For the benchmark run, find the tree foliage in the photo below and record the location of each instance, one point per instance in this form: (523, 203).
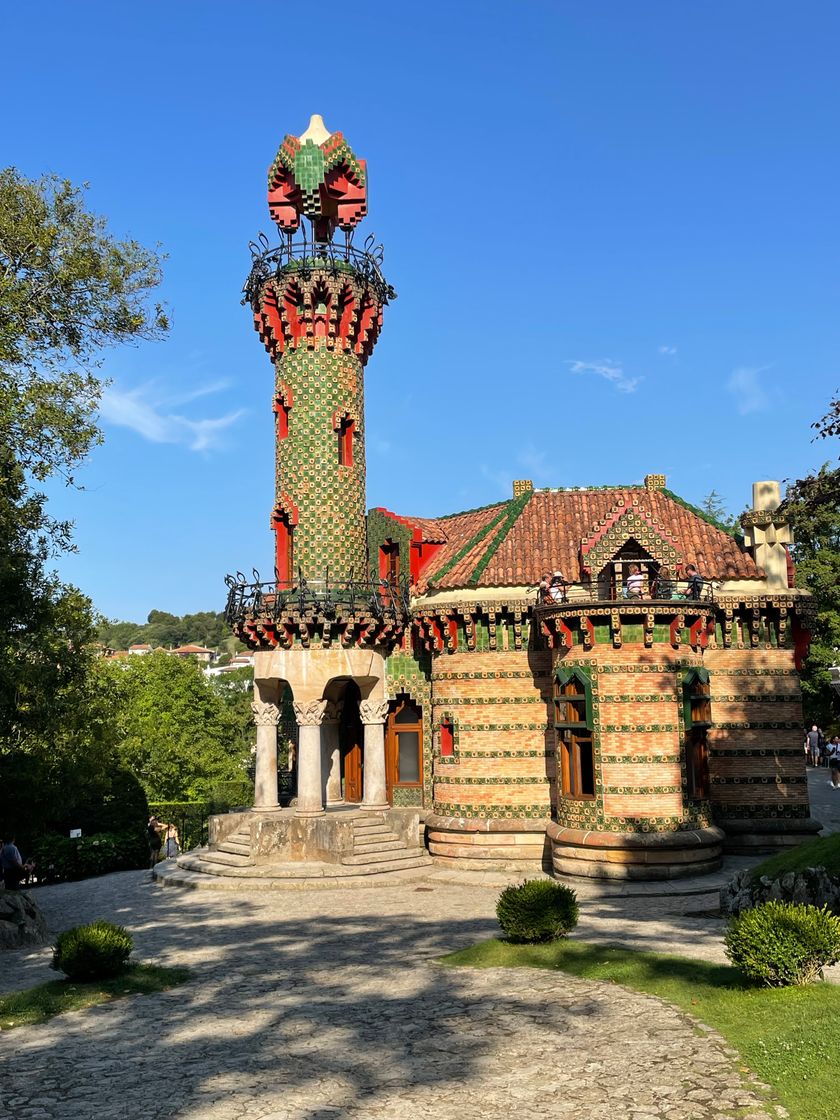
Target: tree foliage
(68, 289)
(715, 509)
(813, 504)
(207, 628)
(178, 731)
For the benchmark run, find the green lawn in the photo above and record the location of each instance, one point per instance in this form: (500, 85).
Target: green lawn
(788, 1036)
(37, 1004)
(822, 852)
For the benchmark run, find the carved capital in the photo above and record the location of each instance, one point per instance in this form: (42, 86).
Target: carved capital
(266, 714)
(373, 711)
(333, 712)
(311, 714)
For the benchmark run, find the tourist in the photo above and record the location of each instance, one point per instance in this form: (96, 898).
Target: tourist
(153, 834)
(634, 584)
(557, 588)
(694, 588)
(663, 587)
(13, 867)
(172, 848)
(834, 761)
(812, 744)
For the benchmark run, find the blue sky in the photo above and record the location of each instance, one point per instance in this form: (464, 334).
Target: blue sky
(613, 228)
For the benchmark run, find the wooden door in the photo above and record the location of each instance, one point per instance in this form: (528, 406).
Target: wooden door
(351, 737)
(403, 745)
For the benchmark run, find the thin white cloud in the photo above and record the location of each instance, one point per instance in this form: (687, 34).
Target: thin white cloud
(611, 371)
(745, 386)
(667, 350)
(150, 413)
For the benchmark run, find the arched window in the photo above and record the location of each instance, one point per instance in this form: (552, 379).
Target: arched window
(282, 410)
(697, 709)
(573, 725)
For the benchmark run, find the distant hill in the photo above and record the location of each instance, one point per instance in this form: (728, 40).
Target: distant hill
(206, 628)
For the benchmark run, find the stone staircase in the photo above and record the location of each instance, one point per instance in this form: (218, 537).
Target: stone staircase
(376, 849)
(378, 856)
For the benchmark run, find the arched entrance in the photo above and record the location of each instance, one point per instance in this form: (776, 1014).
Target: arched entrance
(351, 737)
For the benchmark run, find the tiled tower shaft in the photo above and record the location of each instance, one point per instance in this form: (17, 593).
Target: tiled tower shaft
(325, 496)
(319, 325)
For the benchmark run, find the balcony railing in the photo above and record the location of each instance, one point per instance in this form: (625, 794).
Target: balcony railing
(326, 598)
(662, 592)
(304, 255)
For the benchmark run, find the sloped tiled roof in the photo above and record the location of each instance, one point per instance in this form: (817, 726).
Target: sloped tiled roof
(516, 542)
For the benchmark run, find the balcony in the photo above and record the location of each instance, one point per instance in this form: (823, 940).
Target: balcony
(355, 611)
(302, 257)
(673, 594)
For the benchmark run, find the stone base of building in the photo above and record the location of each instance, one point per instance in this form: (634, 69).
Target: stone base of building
(344, 834)
(759, 837)
(492, 843)
(634, 855)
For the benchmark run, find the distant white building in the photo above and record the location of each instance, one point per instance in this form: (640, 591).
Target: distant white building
(140, 649)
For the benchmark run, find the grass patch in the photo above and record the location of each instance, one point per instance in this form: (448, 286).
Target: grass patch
(785, 1035)
(822, 852)
(35, 1005)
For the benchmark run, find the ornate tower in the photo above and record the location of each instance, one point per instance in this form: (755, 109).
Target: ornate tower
(317, 306)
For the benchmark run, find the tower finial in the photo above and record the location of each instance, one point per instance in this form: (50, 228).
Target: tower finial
(317, 131)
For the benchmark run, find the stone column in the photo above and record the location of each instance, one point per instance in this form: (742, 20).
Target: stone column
(266, 717)
(373, 714)
(310, 802)
(331, 753)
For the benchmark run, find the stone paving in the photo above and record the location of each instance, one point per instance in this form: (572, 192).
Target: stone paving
(316, 1004)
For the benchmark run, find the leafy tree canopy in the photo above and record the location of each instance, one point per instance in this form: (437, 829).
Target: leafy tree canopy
(178, 731)
(813, 504)
(206, 628)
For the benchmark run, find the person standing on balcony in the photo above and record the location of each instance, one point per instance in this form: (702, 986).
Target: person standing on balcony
(663, 588)
(694, 590)
(635, 583)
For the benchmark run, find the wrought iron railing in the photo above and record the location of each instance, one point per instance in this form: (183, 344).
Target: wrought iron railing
(304, 255)
(659, 591)
(326, 597)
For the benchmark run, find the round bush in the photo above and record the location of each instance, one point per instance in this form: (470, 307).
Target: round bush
(537, 910)
(783, 943)
(93, 952)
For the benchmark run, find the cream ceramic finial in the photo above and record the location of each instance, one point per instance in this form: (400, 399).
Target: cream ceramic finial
(317, 131)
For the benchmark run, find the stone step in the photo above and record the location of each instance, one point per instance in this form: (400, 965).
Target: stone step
(196, 877)
(300, 872)
(392, 845)
(235, 849)
(382, 857)
(228, 859)
(236, 842)
(377, 830)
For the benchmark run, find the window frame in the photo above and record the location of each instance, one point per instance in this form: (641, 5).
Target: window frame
(572, 695)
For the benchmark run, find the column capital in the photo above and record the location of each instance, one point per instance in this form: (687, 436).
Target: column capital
(373, 711)
(333, 711)
(266, 714)
(311, 714)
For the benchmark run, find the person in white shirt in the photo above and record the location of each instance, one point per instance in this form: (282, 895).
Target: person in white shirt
(634, 584)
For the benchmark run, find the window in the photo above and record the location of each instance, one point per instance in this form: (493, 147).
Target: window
(282, 411)
(447, 738)
(573, 724)
(404, 744)
(285, 559)
(697, 707)
(389, 562)
(345, 442)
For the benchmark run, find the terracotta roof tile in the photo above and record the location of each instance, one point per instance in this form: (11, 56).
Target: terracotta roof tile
(515, 543)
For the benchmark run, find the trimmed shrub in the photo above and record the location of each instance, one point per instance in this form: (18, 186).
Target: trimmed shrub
(537, 910)
(93, 952)
(783, 943)
(58, 858)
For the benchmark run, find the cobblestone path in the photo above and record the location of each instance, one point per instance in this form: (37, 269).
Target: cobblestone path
(316, 1005)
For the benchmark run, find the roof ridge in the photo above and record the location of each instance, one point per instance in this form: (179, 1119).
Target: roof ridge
(446, 568)
(514, 511)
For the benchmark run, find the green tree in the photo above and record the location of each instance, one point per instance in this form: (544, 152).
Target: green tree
(68, 289)
(813, 504)
(176, 730)
(713, 506)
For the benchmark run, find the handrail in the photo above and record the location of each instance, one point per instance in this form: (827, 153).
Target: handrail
(325, 596)
(304, 255)
(669, 591)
